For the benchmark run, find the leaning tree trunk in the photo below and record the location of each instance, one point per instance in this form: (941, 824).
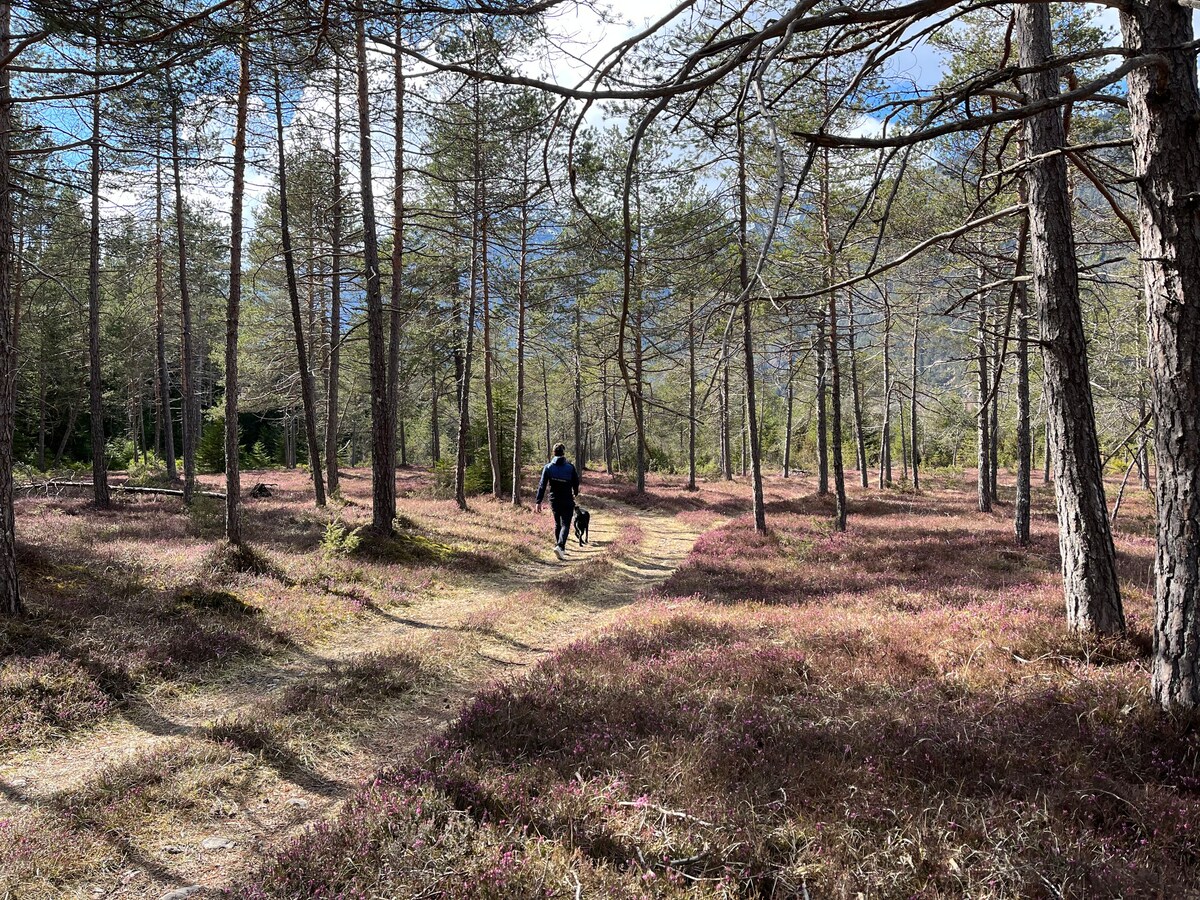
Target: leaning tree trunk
(335, 292)
(383, 462)
(395, 324)
(756, 478)
(233, 529)
(638, 398)
(1164, 106)
(1093, 596)
(10, 591)
(308, 393)
(95, 388)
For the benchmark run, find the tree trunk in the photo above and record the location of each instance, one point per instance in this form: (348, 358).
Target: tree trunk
(982, 418)
(335, 292)
(489, 399)
(742, 436)
(233, 530)
(72, 417)
(95, 387)
(1024, 500)
(638, 398)
(839, 474)
(756, 477)
(860, 444)
(821, 353)
(1045, 444)
(397, 294)
(726, 449)
(912, 405)
(468, 342)
(435, 385)
(1164, 106)
(1143, 454)
(885, 436)
(787, 428)
(308, 393)
(402, 437)
(189, 412)
(289, 444)
(383, 462)
(160, 329)
(633, 383)
(577, 408)
(691, 484)
(1085, 541)
(42, 410)
(10, 590)
(522, 308)
(546, 402)
(994, 413)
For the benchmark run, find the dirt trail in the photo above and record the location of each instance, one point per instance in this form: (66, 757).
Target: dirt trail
(478, 631)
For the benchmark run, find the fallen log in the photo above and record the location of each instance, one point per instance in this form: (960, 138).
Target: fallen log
(47, 486)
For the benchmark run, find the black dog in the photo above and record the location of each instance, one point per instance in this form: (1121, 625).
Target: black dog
(582, 519)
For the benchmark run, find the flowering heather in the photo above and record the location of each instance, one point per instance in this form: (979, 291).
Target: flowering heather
(44, 695)
(897, 711)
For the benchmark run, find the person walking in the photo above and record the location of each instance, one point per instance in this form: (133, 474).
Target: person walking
(562, 480)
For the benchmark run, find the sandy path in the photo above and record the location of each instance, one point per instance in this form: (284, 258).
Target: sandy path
(475, 632)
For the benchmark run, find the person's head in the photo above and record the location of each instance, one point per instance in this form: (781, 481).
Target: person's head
(560, 449)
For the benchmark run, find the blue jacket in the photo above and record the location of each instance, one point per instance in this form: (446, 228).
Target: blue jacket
(563, 481)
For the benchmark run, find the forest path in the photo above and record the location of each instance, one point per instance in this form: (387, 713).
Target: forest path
(223, 808)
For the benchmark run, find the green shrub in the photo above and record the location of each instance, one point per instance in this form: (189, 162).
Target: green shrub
(339, 540)
(119, 451)
(210, 449)
(146, 470)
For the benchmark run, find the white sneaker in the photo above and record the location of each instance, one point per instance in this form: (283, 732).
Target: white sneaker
(559, 552)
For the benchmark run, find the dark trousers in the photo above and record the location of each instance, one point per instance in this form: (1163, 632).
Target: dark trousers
(562, 523)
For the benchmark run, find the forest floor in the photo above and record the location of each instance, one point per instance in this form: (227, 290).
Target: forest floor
(134, 770)
(684, 708)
